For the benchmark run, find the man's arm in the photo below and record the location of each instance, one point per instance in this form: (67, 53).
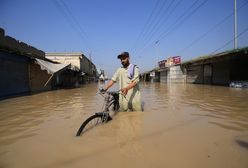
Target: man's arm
(133, 83)
(112, 81)
(130, 86)
(108, 85)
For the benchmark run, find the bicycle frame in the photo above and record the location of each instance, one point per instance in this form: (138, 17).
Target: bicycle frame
(110, 99)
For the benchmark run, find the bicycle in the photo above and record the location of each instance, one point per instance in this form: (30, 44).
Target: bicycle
(111, 99)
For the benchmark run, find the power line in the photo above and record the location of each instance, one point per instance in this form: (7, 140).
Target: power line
(146, 24)
(154, 19)
(74, 19)
(64, 10)
(183, 18)
(212, 28)
(151, 31)
(229, 42)
(180, 20)
(165, 19)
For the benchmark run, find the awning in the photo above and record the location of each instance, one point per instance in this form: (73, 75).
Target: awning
(51, 68)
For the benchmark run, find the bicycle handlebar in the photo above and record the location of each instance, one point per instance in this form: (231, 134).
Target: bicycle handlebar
(111, 93)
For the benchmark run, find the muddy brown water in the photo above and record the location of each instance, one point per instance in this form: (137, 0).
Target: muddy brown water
(182, 126)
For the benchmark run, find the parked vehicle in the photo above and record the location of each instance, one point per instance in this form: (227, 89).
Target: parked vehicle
(239, 84)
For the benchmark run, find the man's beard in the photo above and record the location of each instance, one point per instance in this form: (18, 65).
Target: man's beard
(125, 64)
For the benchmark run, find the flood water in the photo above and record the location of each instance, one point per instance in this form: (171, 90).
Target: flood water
(182, 126)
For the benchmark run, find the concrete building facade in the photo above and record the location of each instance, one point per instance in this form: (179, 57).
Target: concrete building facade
(219, 69)
(78, 60)
(25, 70)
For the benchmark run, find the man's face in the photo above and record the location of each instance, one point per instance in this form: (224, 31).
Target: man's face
(124, 61)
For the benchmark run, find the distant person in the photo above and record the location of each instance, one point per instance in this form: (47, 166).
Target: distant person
(128, 78)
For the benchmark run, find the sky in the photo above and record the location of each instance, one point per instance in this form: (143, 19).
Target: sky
(150, 30)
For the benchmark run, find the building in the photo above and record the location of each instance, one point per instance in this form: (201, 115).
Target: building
(79, 61)
(170, 70)
(25, 70)
(218, 69)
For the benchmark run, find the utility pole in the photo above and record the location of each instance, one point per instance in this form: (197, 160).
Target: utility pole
(90, 56)
(235, 25)
(157, 44)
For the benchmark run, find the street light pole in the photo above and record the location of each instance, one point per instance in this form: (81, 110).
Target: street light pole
(157, 44)
(235, 25)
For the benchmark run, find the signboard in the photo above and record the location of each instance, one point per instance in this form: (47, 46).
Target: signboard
(174, 60)
(152, 74)
(162, 64)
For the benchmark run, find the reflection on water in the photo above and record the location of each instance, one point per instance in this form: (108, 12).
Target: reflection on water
(229, 105)
(182, 125)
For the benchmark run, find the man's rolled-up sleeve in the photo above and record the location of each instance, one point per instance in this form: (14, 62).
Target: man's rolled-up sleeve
(136, 75)
(115, 77)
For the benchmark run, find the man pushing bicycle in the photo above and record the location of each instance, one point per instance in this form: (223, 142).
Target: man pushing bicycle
(128, 78)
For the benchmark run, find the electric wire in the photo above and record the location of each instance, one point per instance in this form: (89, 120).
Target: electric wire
(183, 18)
(146, 24)
(179, 21)
(165, 19)
(154, 26)
(64, 10)
(212, 28)
(153, 19)
(227, 43)
(74, 19)
(156, 20)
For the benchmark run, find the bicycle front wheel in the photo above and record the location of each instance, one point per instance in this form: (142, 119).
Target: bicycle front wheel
(91, 122)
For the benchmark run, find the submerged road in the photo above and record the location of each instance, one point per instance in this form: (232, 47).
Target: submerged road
(182, 126)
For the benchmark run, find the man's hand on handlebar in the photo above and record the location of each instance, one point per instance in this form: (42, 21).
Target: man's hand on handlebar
(102, 90)
(124, 91)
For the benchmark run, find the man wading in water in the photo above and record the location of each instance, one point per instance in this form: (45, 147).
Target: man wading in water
(128, 79)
